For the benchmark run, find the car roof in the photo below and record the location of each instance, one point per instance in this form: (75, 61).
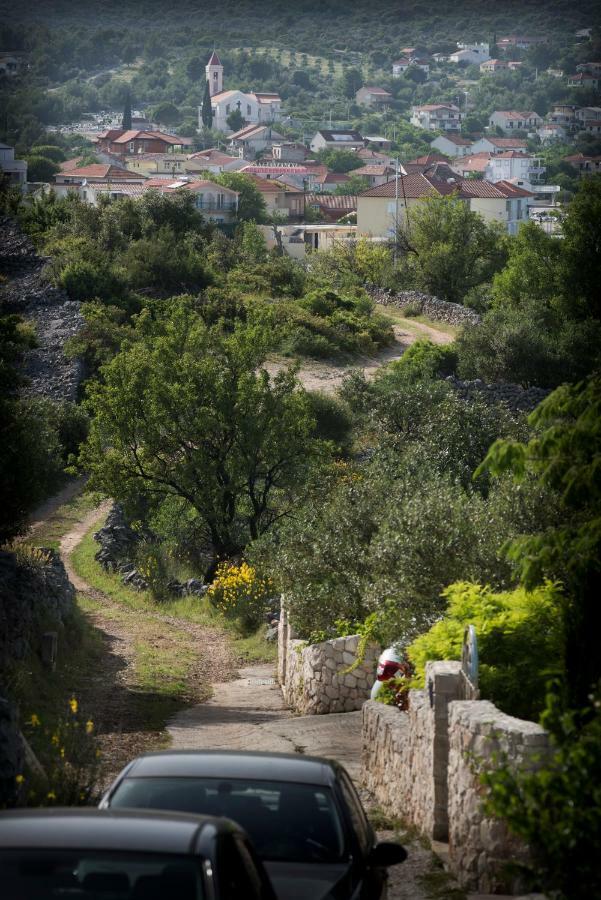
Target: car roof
(233, 764)
(114, 830)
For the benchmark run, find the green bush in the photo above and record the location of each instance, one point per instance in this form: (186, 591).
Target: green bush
(422, 360)
(332, 418)
(557, 809)
(519, 642)
(85, 280)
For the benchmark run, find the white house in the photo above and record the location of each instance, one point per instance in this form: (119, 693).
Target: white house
(515, 120)
(508, 165)
(254, 107)
(552, 131)
(400, 66)
(336, 140)
(499, 145)
(452, 145)
(470, 53)
(14, 170)
(437, 117)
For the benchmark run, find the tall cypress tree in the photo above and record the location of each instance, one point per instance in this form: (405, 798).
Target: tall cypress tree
(126, 121)
(207, 109)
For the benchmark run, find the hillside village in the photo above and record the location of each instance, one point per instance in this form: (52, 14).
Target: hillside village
(300, 355)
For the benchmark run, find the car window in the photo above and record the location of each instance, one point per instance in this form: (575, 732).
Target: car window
(357, 814)
(87, 875)
(285, 820)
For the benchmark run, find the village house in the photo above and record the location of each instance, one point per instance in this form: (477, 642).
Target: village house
(499, 144)
(377, 142)
(436, 117)
(281, 200)
(584, 165)
(381, 210)
(591, 126)
(289, 151)
(326, 181)
(373, 97)
(592, 68)
(552, 131)
(400, 66)
(298, 176)
(452, 145)
(332, 208)
(214, 161)
(563, 114)
(490, 66)
(67, 181)
(423, 163)
(473, 165)
(367, 155)
(336, 140)
(13, 171)
(375, 174)
(470, 53)
(519, 42)
(584, 80)
(508, 165)
(150, 164)
(255, 108)
(515, 120)
(584, 113)
(299, 240)
(253, 140)
(126, 143)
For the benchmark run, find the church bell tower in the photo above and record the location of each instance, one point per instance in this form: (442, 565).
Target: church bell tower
(214, 71)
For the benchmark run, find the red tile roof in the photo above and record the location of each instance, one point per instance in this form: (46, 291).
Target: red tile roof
(214, 60)
(512, 190)
(342, 202)
(100, 170)
(127, 136)
(411, 186)
(507, 142)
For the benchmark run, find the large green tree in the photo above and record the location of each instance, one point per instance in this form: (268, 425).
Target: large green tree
(450, 248)
(206, 112)
(565, 455)
(185, 411)
(251, 205)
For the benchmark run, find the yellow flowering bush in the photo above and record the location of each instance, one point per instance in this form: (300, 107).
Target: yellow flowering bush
(241, 594)
(67, 752)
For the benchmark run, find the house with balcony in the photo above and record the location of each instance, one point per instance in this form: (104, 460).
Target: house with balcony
(71, 180)
(437, 117)
(490, 144)
(120, 142)
(215, 202)
(515, 120)
(519, 42)
(508, 165)
(584, 80)
(251, 140)
(472, 54)
(584, 165)
(490, 66)
(552, 131)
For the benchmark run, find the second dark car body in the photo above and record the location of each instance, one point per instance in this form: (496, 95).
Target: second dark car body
(302, 813)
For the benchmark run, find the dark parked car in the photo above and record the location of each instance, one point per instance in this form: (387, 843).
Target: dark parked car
(302, 814)
(89, 854)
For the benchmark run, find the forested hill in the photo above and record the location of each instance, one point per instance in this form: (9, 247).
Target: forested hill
(318, 25)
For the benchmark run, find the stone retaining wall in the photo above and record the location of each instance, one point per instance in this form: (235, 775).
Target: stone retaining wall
(427, 305)
(315, 677)
(423, 765)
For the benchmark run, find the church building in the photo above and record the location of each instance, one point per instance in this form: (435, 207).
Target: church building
(254, 108)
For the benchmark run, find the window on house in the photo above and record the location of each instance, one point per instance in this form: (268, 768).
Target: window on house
(227, 109)
(248, 110)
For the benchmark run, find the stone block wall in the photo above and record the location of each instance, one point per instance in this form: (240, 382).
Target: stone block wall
(480, 847)
(423, 765)
(315, 678)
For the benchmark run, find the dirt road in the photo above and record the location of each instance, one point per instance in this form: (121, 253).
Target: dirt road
(327, 376)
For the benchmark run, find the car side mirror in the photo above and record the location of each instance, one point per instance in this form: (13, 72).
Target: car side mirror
(387, 854)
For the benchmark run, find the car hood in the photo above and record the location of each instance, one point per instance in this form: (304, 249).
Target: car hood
(308, 881)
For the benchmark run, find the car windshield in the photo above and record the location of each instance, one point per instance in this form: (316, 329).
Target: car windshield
(89, 875)
(286, 821)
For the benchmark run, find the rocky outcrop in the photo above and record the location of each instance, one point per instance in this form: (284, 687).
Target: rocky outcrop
(426, 305)
(118, 547)
(28, 292)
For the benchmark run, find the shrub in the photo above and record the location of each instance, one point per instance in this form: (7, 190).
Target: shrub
(332, 418)
(519, 642)
(68, 753)
(557, 809)
(422, 360)
(85, 280)
(241, 595)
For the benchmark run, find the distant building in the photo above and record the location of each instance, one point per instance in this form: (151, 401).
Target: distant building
(255, 108)
(13, 171)
(515, 120)
(452, 145)
(289, 151)
(584, 165)
(281, 199)
(252, 140)
(510, 164)
(338, 139)
(126, 143)
(584, 79)
(332, 207)
(373, 97)
(474, 54)
(519, 41)
(72, 180)
(375, 174)
(550, 132)
(491, 144)
(437, 117)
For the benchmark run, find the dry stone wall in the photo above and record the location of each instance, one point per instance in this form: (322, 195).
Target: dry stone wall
(424, 764)
(426, 305)
(315, 678)
(481, 847)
